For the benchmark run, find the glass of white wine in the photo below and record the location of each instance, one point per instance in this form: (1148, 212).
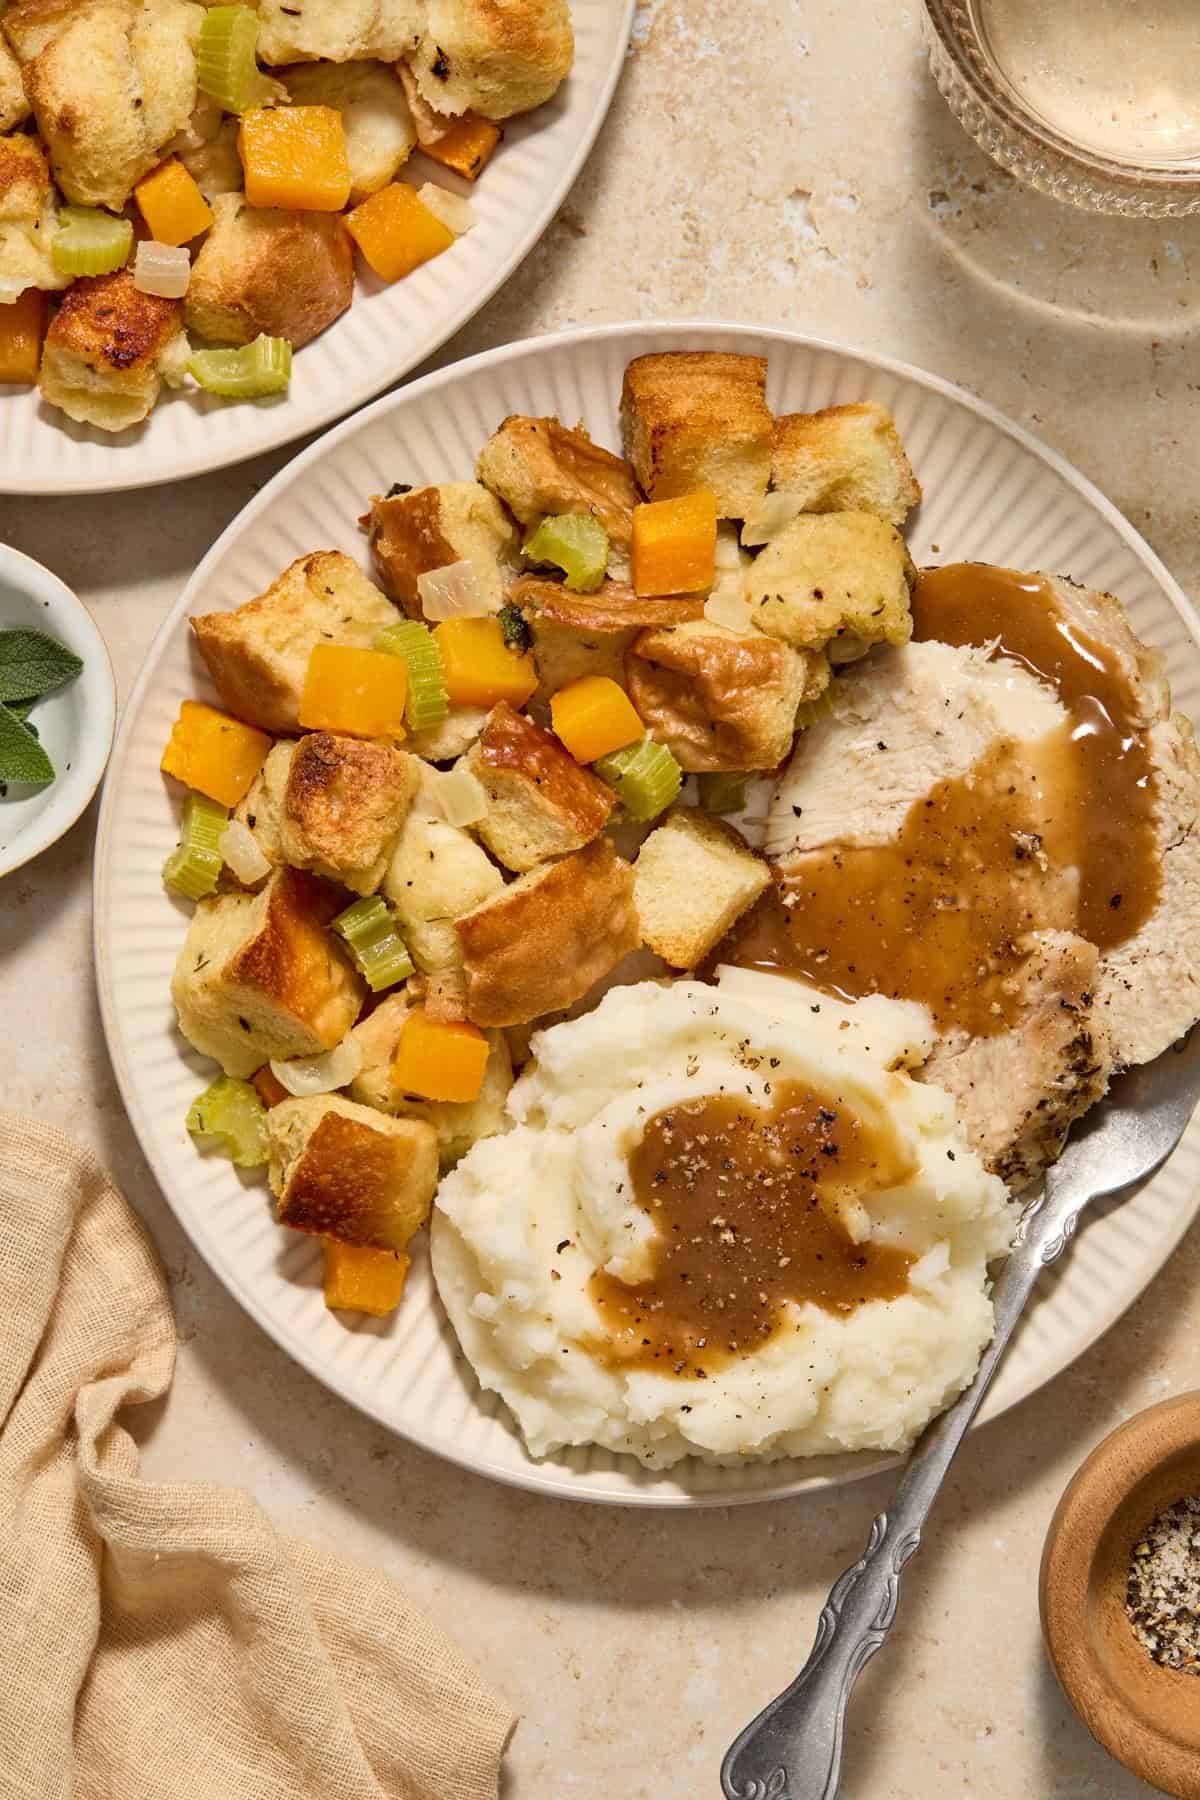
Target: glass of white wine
(1094, 101)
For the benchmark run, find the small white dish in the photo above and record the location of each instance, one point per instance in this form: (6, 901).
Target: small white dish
(75, 722)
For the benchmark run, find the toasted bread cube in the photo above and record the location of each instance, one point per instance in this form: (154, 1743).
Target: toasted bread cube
(540, 802)
(109, 349)
(343, 808)
(698, 419)
(288, 274)
(337, 31)
(260, 975)
(458, 1123)
(436, 873)
(427, 528)
(341, 1170)
(539, 467)
(14, 106)
(693, 878)
(110, 90)
(28, 220)
(361, 1279)
(210, 156)
(380, 134)
(494, 57)
(258, 654)
(834, 581)
(845, 459)
(549, 937)
(450, 739)
(576, 635)
(261, 811)
(719, 699)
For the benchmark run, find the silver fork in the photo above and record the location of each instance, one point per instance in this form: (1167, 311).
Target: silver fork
(793, 1749)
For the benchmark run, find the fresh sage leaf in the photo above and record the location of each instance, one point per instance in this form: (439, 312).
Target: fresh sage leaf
(21, 709)
(32, 664)
(21, 756)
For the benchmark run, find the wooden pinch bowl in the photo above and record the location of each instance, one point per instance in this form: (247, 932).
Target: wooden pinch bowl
(1145, 1715)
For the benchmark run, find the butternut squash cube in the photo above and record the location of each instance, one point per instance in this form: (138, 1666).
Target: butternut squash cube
(439, 1059)
(467, 147)
(172, 205)
(480, 669)
(396, 231)
(359, 1278)
(675, 545)
(22, 323)
(214, 754)
(268, 1086)
(295, 157)
(593, 716)
(360, 692)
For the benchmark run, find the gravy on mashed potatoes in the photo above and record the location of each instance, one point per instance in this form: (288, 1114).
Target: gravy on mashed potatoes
(726, 1222)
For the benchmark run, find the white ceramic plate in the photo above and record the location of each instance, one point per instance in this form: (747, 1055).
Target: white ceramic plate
(992, 493)
(386, 332)
(75, 723)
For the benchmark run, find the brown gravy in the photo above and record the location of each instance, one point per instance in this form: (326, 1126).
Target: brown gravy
(745, 1199)
(1064, 839)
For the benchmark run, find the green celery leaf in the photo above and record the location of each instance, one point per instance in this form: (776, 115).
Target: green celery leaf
(31, 664)
(21, 756)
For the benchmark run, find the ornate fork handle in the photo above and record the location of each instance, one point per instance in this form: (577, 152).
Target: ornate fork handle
(793, 1749)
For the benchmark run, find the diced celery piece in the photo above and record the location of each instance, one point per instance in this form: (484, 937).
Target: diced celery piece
(426, 703)
(645, 775)
(378, 950)
(226, 60)
(724, 791)
(193, 868)
(576, 543)
(228, 1117)
(90, 241)
(257, 369)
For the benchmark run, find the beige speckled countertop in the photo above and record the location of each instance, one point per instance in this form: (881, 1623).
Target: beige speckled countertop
(786, 162)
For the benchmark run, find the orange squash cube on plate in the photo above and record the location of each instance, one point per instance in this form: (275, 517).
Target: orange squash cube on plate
(360, 692)
(675, 545)
(359, 1278)
(172, 205)
(439, 1059)
(268, 1086)
(22, 323)
(295, 157)
(467, 147)
(216, 755)
(480, 669)
(396, 231)
(593, 716)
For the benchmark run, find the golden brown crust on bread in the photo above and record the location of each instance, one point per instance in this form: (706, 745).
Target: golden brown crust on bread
(719, 701)
(104, 353)
(694, 877)
(411, 534)
(845, 459)
(24, 178)
(544, 941)
(289, 274)
(290, 958)
(540, 466)
(343, 805)
(494, 57)
(614, 607)
(540, 802)
(698, 419)
(341, 1170)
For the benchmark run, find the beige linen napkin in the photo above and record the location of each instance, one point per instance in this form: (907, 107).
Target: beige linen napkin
(163, 1641)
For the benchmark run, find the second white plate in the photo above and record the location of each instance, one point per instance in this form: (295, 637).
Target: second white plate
(992, 493)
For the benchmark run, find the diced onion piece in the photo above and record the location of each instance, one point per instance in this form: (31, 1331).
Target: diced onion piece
(727, 606)
(90, 241)
(645, 777)
(766, 518)
(724, 791)
(192, 869)
(305, 1076)
(461, 797)
(242, 853)
(228, 1117)
(425, 704)
(379, 952)
(577, 544)
(226, 60)
(456, 214)
(727, 556)
(453, 592)
(263, 367)
(162, 269)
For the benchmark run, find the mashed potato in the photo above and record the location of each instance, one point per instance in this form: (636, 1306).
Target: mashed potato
(527, 1218)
